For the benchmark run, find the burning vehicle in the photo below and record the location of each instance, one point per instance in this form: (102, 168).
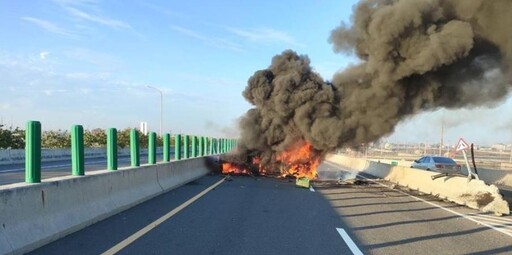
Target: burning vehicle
(414, 56)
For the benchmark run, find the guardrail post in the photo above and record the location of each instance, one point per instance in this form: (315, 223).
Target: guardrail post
(111, 149)
(33, 152)
(152, 148)
(77, 150)
(167, 147)
(177, 147)
(194, 146)
(205, 146)
(201, 146)
(134, 148)
(185, 147)
(208, 146)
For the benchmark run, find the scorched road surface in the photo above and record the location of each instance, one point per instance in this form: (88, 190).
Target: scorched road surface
(272, 216)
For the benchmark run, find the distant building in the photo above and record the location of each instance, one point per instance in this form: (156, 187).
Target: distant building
(499, 147)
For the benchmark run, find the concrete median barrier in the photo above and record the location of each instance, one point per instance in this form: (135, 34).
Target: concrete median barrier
(32, 215)
(474, 194)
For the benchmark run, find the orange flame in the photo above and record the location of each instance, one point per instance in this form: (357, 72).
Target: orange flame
(230, 168)
(299, 161)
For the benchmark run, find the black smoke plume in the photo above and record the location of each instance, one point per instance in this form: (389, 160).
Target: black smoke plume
(415, 56)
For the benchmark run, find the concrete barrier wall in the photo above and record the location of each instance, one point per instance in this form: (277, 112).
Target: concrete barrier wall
(490, 176)
(32, 215)
(474, 194)
(16, 156)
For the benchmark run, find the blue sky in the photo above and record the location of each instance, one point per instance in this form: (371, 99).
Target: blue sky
(88, 62)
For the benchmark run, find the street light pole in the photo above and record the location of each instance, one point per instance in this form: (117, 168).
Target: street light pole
(161, 105)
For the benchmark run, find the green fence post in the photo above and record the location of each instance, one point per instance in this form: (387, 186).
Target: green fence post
(167, 147)
(111, 149)
(77, 150)
(33, 152)
(208, 146)
(134, 148)
(200, 146)
(177, 147)
(185, 146)
(152, 148)
(194, 146)
(204, 146)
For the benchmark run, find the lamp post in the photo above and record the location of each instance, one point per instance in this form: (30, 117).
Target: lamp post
(161, 106)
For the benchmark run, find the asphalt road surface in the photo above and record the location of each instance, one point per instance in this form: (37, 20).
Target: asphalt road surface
(14, 173)
(248, 215)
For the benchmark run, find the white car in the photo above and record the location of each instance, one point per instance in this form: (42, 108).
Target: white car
(437, 164)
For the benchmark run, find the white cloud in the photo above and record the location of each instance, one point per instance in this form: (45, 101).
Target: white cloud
(48, 26)
(214, 41)
(88, 76)
(5, 106)
(265, 35)
(99, 59)
(43, 55)
(113, 23)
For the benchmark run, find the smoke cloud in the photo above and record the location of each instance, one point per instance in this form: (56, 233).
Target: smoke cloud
(416, 55)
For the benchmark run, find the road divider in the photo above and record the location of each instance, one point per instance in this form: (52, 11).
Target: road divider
(32, 215)
(474, 194)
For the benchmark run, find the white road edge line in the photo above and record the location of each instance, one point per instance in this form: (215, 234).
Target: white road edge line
(311, 188)
(118, 247)
(436, 205)
(351, 245)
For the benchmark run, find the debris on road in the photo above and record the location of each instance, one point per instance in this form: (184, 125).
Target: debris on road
(302, 182)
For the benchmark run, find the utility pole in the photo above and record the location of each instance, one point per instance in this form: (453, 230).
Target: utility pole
(510, 160)
(161, 105)
(441, 144)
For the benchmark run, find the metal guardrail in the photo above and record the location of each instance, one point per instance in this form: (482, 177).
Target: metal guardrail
(190, 146)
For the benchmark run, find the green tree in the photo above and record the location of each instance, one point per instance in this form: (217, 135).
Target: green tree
(56, 139)
(9, 138)
(95, 138)
(123, 138)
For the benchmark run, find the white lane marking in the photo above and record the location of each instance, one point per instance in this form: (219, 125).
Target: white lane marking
(118, 247)
(311, 188)
(351, 245)
(490, 217)
(468, 217)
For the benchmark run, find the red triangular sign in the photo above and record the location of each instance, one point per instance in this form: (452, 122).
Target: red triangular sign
(462, 145)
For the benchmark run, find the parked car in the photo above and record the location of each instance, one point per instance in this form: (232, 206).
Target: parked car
(437, 164)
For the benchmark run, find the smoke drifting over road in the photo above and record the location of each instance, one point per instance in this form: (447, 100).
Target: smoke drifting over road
(416, 55)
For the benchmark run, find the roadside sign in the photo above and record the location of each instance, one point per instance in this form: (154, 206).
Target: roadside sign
(462, 145)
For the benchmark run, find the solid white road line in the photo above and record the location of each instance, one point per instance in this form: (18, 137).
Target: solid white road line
(468, 217)
(118, 247)
(490, 217)
(351, 245)
(311, 188)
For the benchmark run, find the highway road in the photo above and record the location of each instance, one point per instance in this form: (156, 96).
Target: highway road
(14, 173)
(248, 215)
